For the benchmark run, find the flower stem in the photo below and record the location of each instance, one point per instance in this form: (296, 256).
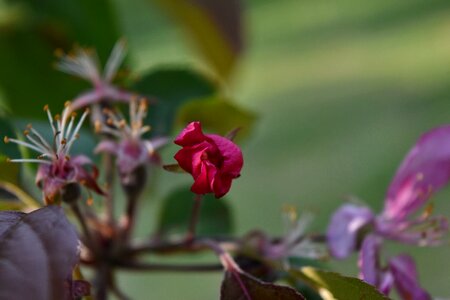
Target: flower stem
(194, 218)
(141, 266)
(90, 242)
(108, 163)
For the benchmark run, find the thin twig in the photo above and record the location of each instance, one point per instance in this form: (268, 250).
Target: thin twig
(91, 244)
(108, 163)
(194, 218)
(140, 266)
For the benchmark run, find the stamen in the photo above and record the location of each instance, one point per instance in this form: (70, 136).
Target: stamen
(145, 129)
(50, 119)
(80, 123)
(25, 144)
(43, 141)
(69, 128)
(36, 143)
(30, 160)
(98, 126)
(6, 140)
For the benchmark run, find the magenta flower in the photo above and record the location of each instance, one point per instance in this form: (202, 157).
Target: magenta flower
(130, 148)
(57, 169)
(212, 160)
(425, 170)
(84, 64)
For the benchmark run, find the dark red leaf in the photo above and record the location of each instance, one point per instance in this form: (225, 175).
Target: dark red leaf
(37, 253)
(255, 289)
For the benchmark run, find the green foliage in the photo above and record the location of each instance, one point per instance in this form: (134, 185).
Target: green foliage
(333, 286)
(171, 88)
(215, 26)
(217, 115)
(27, 50)
(215, 214)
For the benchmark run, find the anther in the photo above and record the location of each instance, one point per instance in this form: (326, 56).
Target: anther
(97, 126)
(6, 140)
(46, 107)
(26, 132)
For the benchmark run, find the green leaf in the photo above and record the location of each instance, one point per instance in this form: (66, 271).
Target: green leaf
(215, 214)
(217, 115)
(28, 81)
(214, 25)
(333, 286)
(8, 172)
(232, 289)
(171, 87)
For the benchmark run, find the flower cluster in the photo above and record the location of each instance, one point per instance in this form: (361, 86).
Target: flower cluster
(130, 149)
(424, 171)
(57, 169)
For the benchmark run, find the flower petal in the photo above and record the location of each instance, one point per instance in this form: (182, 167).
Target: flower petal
(202, 184)
(425, 170)
(344, 226)
(189, 158)
(405, 276)
(190, 135)
(368, 262)
(107, 146)
(232, 155)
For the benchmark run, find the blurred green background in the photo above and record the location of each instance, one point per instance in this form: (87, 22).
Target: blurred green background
(341, 90)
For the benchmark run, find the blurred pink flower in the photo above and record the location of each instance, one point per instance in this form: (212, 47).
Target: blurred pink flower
(425, 170)
(130, 148)
(84, 63)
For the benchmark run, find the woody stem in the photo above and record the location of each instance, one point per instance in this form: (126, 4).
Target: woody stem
(87, 232)
(194, 218)
(108, 162)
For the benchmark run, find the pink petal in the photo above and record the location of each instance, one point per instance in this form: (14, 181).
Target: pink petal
(202, 184)
(189, 158)
(424, 171)
(405, 276)
(130, 155)
(368, 262)
(222, 185)
(107, 146)
(232, 155)
(344, 227)
(190, 135)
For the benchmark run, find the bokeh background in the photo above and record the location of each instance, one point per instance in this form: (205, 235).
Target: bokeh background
(341, 91)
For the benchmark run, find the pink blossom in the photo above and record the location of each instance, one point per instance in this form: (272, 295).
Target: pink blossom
(131, 149)
(84, 63)
(212, 160)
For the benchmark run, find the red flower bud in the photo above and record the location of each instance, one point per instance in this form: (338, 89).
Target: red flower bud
(212, 160)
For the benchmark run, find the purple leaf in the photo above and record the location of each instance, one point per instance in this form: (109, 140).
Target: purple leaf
(9, 218)
(425, 170)
(241, 286)
(37, 253)
(344, 228)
